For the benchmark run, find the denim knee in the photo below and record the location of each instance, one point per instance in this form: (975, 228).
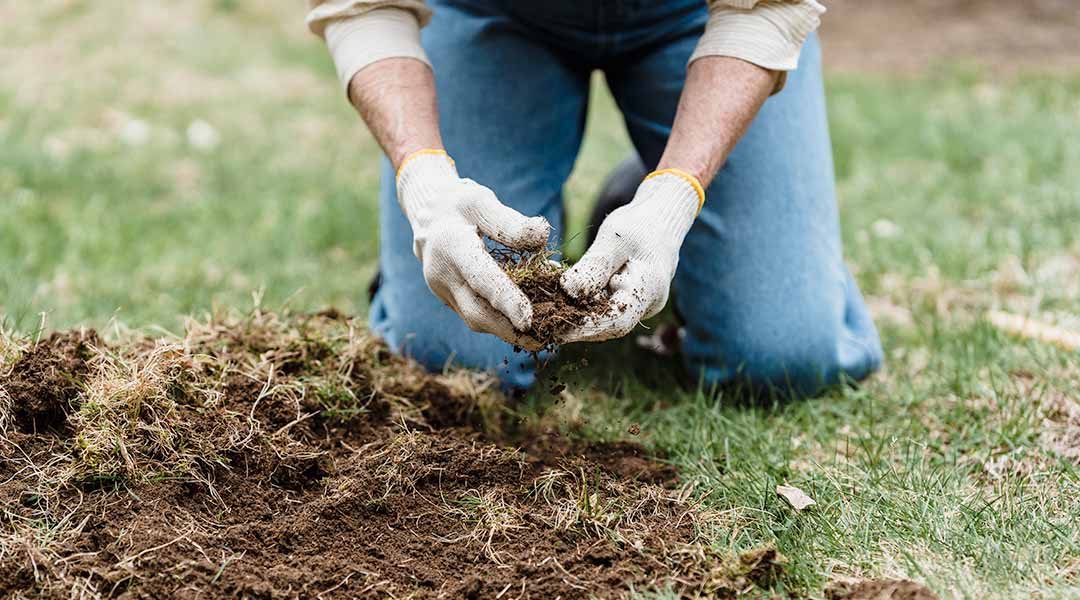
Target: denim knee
(436, 338)
(797, 360)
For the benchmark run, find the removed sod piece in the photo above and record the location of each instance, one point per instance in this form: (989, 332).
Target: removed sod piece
(554, 311)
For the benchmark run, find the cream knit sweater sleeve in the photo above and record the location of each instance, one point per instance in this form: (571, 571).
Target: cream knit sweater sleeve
(360, 32)
(768, 33)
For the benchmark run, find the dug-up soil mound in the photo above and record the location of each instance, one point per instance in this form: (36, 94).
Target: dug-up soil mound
(273, 457)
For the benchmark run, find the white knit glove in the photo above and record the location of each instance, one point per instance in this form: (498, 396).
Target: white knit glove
(635, 254)
(448, 214)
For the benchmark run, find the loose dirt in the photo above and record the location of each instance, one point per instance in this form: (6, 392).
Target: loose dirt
(554, 311)
(271, 457)
(45, 381)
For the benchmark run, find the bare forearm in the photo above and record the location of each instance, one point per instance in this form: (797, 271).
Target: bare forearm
(396, 98)
(719, 100)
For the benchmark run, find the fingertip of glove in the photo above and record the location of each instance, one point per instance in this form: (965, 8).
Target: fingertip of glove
(517, 309)
(537, 231)
(572, 282)
(523, 320)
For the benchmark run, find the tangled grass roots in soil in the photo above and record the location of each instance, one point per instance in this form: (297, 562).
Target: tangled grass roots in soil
(275, 457)
(554, 311)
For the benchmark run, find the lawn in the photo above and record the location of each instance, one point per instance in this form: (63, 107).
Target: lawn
(167, 165)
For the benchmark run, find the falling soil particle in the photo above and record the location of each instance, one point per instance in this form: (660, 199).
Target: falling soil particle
(557, 389)
(878, 589)
(634, 429)
(554, 311)
(282, 458)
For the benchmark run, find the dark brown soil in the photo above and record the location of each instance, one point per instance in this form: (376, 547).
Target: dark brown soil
(46, 381)
(879, 589)
(554, 311)
(627, 460)
(298, 459)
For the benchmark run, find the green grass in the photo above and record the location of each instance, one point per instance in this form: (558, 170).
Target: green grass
(959, 194)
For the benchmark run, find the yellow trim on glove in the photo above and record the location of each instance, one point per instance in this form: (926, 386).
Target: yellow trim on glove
(688, 177)
(413, 155)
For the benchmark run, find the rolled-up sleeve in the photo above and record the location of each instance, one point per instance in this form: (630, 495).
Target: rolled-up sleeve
(361, 32)
(767, 33)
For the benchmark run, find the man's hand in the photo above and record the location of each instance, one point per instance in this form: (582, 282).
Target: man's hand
(448, 214)
(637, 248)
(635, 255)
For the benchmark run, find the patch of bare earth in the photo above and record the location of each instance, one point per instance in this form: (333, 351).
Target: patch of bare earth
(878, 589)
(1060, 411)
(296, 457)
(1055, 406)
(892, 35)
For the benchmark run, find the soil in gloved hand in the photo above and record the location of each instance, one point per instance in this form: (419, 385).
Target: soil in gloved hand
(554, 311)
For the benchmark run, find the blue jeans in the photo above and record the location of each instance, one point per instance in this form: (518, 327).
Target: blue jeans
(761, 283)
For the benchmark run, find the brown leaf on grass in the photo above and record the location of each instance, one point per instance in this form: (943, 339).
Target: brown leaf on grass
(795, 497)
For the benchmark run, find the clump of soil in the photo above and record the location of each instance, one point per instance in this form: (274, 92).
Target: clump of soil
(878, 589)
(296, 457)
(45, 381)
(554, 311)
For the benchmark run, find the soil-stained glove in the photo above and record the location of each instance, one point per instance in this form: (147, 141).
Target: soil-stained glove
(635, 254)
(448, 214)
